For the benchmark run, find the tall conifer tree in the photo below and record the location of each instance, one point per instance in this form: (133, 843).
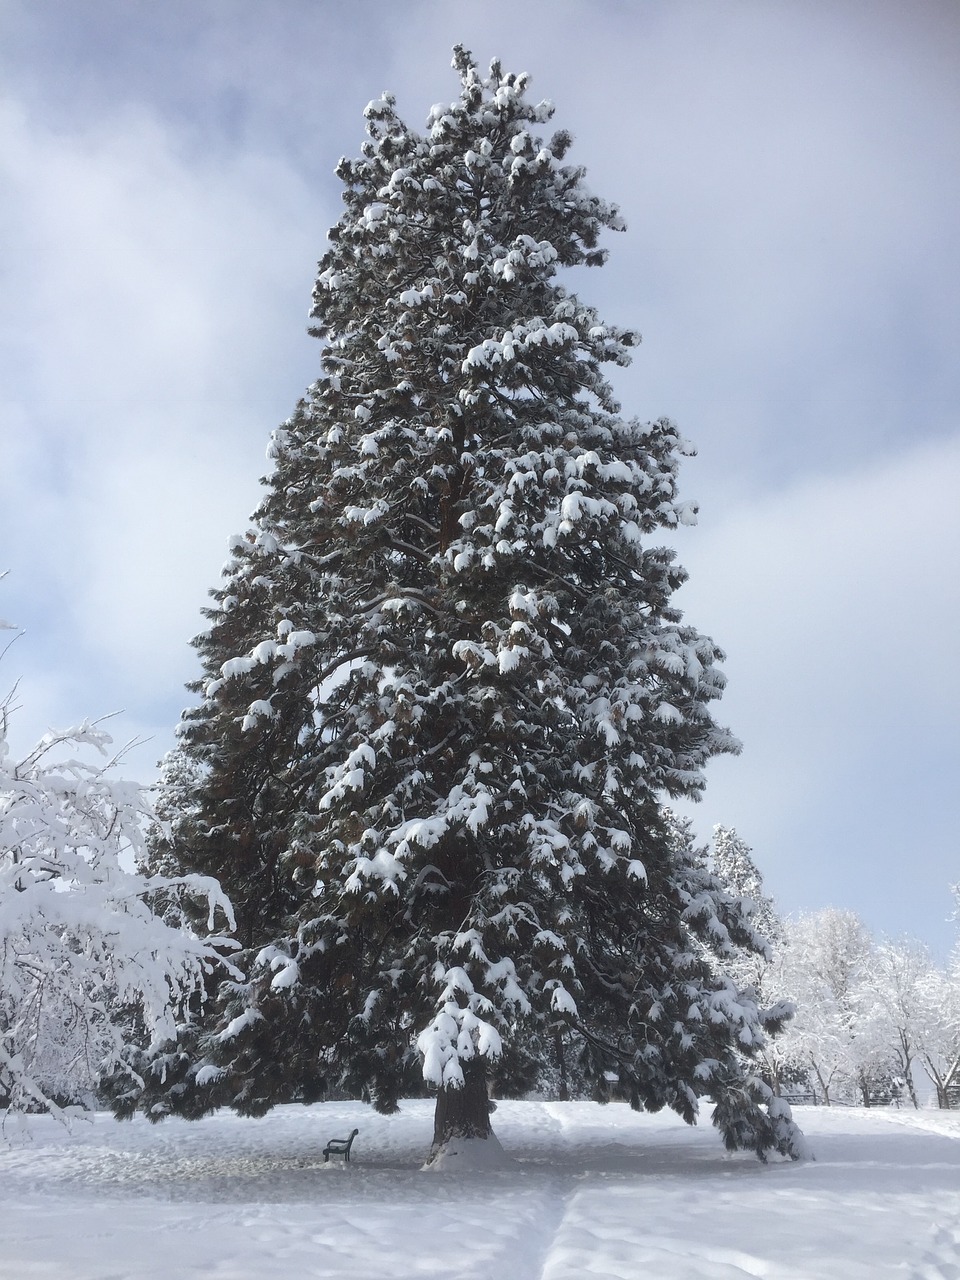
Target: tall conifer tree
(446, 691)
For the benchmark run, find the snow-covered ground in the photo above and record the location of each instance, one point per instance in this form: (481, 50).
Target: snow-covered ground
(591, 1192)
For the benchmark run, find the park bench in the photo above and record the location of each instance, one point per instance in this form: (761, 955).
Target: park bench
(339, 1147)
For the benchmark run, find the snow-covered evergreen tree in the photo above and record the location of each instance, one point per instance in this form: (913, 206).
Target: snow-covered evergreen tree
(446, 689)
(83, 952)
(736, 869)
(759, 969)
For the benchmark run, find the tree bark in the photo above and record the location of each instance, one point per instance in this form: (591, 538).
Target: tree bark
(463, 1112)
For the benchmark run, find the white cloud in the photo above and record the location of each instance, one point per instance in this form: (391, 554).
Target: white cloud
(159, 336)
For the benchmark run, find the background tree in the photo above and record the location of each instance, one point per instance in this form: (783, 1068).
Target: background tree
(902, 978)
(826, 964)
(869, 1013)
(732, 861)
(937, 1026)
(446, 690)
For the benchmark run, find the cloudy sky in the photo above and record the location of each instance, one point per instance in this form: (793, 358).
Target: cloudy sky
(790, 177)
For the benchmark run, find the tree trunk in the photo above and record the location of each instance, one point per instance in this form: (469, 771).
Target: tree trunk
(864, 1086)
(463, 1112)
(824, 1085)
(936, 1079)
(910, 1087)
(564, 1090)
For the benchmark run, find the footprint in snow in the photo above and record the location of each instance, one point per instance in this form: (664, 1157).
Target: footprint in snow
(941, 1259)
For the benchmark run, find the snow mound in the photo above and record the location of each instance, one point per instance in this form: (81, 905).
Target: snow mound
(461, 1155)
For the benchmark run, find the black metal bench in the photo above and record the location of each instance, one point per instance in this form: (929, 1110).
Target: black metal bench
(339, 1147)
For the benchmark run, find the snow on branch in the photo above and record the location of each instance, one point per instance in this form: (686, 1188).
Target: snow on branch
(457, 1033)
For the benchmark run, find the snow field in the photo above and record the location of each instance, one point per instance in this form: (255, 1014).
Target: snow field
(586, 1192)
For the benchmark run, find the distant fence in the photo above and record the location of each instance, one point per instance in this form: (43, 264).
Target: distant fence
(814, 1100)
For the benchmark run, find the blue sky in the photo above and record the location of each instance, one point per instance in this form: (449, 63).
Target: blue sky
(790, 176)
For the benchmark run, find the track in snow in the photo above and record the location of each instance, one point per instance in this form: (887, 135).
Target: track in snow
(591, 1193)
